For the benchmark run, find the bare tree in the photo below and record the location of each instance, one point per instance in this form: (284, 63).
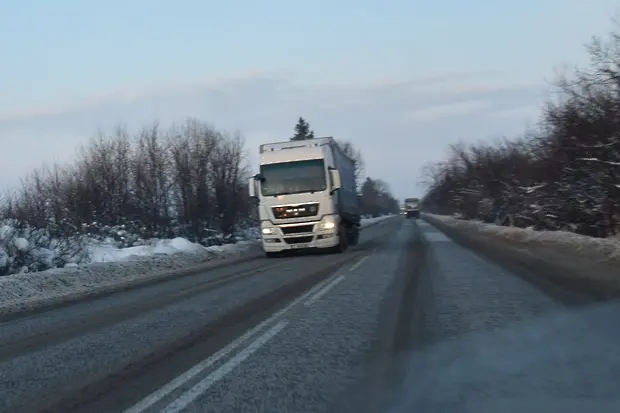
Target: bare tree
(563, 175)
(185, 181)
(356, 155)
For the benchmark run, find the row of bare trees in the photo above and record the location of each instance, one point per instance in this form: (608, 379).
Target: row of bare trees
(565, 174)
(376, 198)
(188, 180)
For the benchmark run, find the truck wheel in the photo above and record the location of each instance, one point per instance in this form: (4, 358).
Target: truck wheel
(343, 236)
(354, 236)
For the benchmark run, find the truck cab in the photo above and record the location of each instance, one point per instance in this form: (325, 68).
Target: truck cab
(412, 208)
(307, 197)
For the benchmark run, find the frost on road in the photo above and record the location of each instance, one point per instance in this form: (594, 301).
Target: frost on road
(489, 342)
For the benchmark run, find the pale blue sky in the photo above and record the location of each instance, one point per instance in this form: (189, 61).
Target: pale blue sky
(63, 52)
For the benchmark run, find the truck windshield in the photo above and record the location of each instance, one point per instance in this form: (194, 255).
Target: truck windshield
(412, 203)
(293, 177)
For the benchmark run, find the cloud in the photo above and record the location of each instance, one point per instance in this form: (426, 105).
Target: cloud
(437, 112)
(529, 111)
(399, 124)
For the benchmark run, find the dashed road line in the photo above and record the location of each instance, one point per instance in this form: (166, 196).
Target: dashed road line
(166, 390)
(190, 374)
(202, 386)
(323, 291)
(357, 264)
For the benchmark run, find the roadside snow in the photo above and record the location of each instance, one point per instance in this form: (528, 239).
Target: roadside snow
(21, 244)
(370, 221)
(578, 262)
(610, 247)
(114, 268)
(104, 252)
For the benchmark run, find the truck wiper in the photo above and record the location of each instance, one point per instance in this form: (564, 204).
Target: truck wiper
(311, 191)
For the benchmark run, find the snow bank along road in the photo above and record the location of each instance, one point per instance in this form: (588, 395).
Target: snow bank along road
(406, 321)
(585, 264)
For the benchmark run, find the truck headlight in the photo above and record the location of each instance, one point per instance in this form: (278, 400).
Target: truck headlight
(327, 223)
(268, 231)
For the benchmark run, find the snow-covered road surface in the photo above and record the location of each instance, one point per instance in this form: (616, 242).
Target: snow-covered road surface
(406, 321)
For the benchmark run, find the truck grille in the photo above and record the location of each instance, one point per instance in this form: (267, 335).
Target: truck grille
(296, 211)
(297, 229)
(298, 240)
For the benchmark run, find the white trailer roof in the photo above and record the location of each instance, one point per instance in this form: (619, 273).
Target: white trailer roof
(285, 145)
(291, 155)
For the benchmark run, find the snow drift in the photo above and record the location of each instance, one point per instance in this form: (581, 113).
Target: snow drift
(608, 248)
(579, 260)
(139, 265)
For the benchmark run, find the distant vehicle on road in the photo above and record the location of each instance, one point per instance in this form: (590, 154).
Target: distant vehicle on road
(307, 198)
(412, 207)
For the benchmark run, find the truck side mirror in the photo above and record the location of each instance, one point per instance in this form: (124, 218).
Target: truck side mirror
(335, 178)
(252, 187)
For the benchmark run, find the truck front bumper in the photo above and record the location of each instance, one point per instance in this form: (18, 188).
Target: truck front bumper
(278, 243)
(300, 235)
(304, 235)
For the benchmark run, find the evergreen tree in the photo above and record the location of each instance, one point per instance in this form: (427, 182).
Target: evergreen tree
(376, 198)
(302, 131)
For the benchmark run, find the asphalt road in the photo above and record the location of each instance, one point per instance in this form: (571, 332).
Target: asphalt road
(104, 354)
(474, 337)
(406, 321)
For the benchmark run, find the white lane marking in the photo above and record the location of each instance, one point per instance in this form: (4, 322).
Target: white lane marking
(324, 291)
(357, 264)
(202, 386)
(164, 391)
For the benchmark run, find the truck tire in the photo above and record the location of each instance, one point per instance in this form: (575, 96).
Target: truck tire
(354, 236)
(343, 236)
(413, 214)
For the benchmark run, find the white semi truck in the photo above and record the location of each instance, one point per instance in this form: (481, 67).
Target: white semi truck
(412, 207)
(307, 196)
